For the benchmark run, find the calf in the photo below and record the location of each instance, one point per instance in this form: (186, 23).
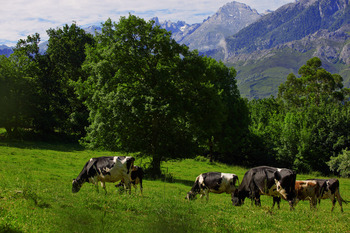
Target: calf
(307, 190)
(276, 182)
(215, 182)
(105, 169)
(329, 188)
(136, 178)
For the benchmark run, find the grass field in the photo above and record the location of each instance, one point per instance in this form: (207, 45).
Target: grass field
(35, 196)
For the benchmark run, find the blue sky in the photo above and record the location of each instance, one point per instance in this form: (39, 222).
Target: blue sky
(19, 18)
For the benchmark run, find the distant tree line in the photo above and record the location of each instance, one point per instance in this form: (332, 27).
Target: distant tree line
(132, 88)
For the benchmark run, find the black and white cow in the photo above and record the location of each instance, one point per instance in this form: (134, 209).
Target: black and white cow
(105, 169)
(215, 182)
(264, 180)
(136, 178)
(329, 188)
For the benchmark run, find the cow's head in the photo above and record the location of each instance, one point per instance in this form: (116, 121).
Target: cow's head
(75, 186)
(285, 184)
(191, 195)
(236, 198)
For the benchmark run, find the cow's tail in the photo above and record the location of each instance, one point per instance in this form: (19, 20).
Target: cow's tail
(345, 201)
(340, 198)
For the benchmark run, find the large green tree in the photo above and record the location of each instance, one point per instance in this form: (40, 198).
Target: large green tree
(314, 86)
(61, 67)
(308, 122)
(17, 86)
(148, 94)
(51, 96)
(16, 93)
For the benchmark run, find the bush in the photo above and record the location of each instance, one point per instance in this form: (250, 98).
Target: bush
(341, 163)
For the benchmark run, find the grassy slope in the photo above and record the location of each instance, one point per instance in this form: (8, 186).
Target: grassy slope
(262, 78)
(35, 196)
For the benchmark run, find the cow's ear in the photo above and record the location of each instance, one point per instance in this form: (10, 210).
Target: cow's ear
(277, 175)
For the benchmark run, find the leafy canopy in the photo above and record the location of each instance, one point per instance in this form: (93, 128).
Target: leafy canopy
(314, 86)
(148, 94)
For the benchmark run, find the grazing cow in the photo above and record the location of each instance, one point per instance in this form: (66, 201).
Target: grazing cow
(215, 182)
(136, 178)
(264, 180)
(105, 169)
(307, 190)
(329, 188)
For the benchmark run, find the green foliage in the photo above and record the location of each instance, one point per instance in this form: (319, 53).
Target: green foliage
(28, 47)
(61, 67)
(315, 85)
(148, 94)
(307, 124)
(340, 163)
(16, 88)
(38, 90)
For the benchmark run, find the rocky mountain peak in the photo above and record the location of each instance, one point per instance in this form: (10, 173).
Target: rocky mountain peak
(227, 21)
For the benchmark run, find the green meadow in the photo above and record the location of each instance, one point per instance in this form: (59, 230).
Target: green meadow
(36, 196)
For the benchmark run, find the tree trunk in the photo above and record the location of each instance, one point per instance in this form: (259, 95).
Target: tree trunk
(155, 166)
(8, 130)
(211, 153)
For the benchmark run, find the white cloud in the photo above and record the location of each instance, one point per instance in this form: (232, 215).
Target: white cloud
(19, 18)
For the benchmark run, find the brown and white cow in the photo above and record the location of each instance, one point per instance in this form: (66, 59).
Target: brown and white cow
(215, 182)
(105, 169)
(329, 188)
(307, 190)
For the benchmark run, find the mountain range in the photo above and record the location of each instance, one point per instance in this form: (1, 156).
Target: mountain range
(279, 43)
(265, 48)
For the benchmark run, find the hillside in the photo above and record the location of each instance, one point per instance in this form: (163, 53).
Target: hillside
(265, 52)
(262, 71)
(5, 50)
(290, 22)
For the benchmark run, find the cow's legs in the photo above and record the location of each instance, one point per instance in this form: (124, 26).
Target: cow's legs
(276, 200)
(291, 205)
(333, 201)
(141, 188)
(206, 191)
(339, 199)
(128, 186)
(95, 182)
(257, 200)
(103, 185)
(313, 203)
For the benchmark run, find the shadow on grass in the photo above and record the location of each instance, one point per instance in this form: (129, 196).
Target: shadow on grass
(28, 139)
(43, 145)
(185, 182)
(165, 176)
(173, 180)
(8, 229)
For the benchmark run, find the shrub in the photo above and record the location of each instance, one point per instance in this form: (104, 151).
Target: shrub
(341, 163)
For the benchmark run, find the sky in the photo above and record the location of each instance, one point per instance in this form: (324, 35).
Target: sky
(20, 18)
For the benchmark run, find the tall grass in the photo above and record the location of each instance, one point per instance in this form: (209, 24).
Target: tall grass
(35, 196)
